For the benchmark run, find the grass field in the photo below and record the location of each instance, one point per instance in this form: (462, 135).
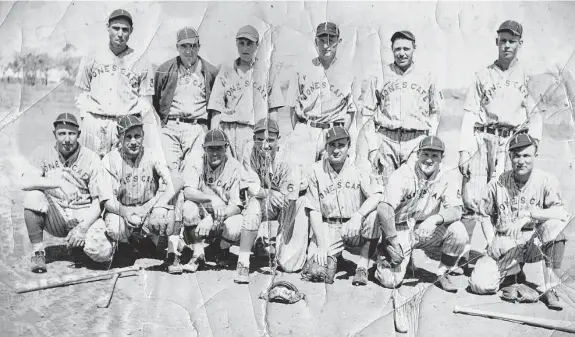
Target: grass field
(209, 303)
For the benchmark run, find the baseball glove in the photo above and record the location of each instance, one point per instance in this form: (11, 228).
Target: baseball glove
(520, 293)
(314, 272)
(391, 256)
(282, 292)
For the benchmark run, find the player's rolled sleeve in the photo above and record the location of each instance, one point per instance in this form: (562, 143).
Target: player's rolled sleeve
(552, 196)
(291, 180)
(435, 106)
(293, 91)
(312, 195)
(395, 190)
(487, 204)
(275, 96)
(234, 194)
(146, 79)
(84, 77)
(250, 178)
(369, 185)
(452, 194)
(217, 96)
(109, 183)
(368, 97)
(96, 175)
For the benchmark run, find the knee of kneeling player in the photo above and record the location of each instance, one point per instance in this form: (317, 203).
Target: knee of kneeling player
(387, 278)
(190, 214)
(36, 201)
(233, 228)
(114, 226)
(458, 233)
(552, 230)
(554, 252)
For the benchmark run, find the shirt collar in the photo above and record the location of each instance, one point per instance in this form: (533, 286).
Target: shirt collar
(398, 70)
(71, 159)
(129, 160)
(238, 60)
(421, 176)
(514, 63)
(317, 63)
(329, 169)
(197, 68)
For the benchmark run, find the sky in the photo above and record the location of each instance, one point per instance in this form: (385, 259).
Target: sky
(454, 39)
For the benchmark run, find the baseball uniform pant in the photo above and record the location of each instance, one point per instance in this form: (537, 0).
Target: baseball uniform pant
(238, 135)
(59, 221)
(180, 140)
(312, 140)
(449, 240)
(117, 230)
(537, 245)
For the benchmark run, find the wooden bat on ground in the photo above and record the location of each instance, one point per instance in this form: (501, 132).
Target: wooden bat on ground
(529, 320)
(70, 279)
(104, 301)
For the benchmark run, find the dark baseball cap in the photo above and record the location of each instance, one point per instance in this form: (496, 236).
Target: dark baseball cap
(127, 122)
(187, 35)
(327, 28)
(248, 32)
(403, 34)
(335, 133)
(520, 140)
(432, 143)
(270, 124)
(66, 118)
(511, 26)
(121, 13)
(215, 138)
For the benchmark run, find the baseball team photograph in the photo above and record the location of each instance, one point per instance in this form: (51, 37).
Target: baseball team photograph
(287, 169)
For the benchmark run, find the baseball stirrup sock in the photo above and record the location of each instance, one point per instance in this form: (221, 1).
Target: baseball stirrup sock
(34, 223)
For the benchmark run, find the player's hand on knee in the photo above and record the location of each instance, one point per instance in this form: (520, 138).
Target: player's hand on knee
(205, 226)
(426, 228)
(321, 257)
(352, 227)
(219, 208)
(464, 158)
(76, 237)
(514, 229)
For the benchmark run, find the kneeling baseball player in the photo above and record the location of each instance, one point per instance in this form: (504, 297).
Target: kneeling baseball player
(342, 201)
(62, 196)
(141, 186)
(421, 209)
(212, 205)
(530, 218)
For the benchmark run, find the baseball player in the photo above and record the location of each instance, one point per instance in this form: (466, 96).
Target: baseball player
(406, 108)
(529, 218)
(212, 206)
(141, 186)
(274, 182)
(62, 196)
(342, 201)
(421, 209)
(497, 106)
(182, 90)
(242, 93)
(321, 94)
(114, 81)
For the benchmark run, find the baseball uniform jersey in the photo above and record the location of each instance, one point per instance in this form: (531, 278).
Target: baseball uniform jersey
(190, 95)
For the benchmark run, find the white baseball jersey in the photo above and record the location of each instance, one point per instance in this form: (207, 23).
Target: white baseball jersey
(339, 195)
(413, 196)
(502, 196)
(115, 82)
(499, 97)
(408, 100)
(134, 182)
(323, 96)
(190, 95)
(244, 97)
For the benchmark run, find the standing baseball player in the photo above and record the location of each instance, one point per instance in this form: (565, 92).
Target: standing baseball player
(242, 93)
(115, 81)
(497, 106)
(407, 107)
(321, 94)
(141, 186)
(421, 209)
(212, 206)
(182, 90)
(342, 201)
(274, 183)
(62, 196)
(530, 217)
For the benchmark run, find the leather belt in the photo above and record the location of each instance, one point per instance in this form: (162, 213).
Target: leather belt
(320, 125)
(188, 120)
(496, 130)
(335, 220)
(402, 131)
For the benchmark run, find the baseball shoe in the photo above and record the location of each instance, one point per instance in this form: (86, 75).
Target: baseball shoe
(552, 300)
(196, 263)
(444, 282)
(175, 267)
(242, 274)
(518, 278)
(360, 278)
(39, 262)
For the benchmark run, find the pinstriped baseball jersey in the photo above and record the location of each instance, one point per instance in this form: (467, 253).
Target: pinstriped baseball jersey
(224, 181)
(499, 97)
(244, 97)
(339, 195)
(134, 183)
(415, 197)
(190, 94)
(321, 95)
(408, 100)
(82, 170)
(504, 198)
(115, 82)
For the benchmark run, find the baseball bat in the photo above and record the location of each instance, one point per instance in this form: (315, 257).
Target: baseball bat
(529, 320)
(69, 280)
(104, 301)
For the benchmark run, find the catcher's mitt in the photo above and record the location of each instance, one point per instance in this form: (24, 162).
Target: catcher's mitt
(314, 272)
(520, 293)
(391, 256)
(282, 292)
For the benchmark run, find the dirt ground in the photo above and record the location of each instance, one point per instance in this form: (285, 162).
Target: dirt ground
(208, 303)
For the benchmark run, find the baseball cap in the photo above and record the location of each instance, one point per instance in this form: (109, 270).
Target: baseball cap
(121, 13)
(432, 143)
(403, 34)
(272, 125)
(511, 26)
(335, 133)
(248, 32)
(520, 140)
(127, 122)
(215, 138)
(328, 28)
(66, 118)
(187, 35)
